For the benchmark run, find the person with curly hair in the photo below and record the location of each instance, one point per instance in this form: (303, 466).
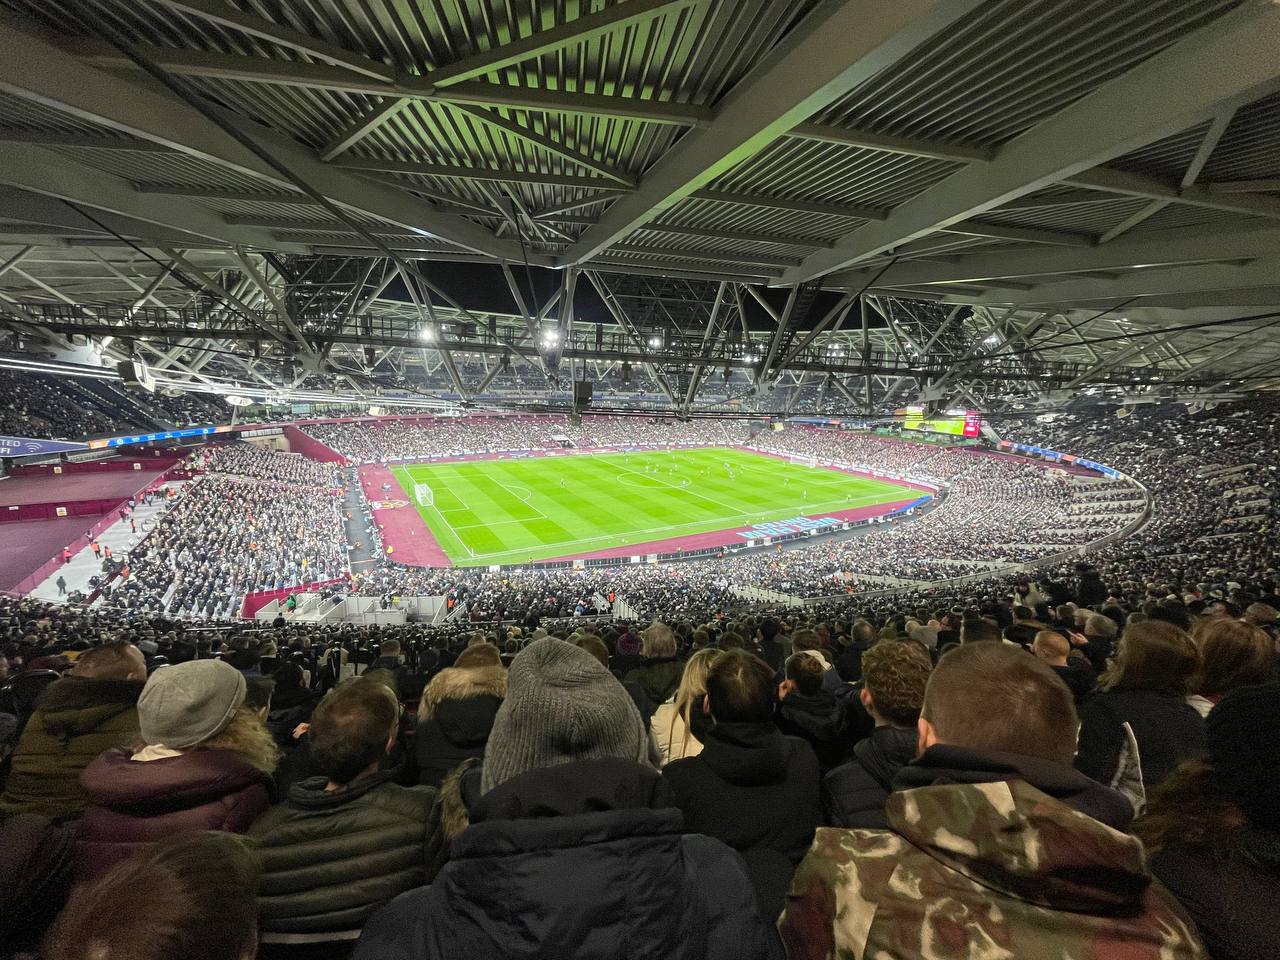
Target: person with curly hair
(895, 675)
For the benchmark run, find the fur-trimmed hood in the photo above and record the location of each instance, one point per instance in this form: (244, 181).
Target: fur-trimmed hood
(454, 683)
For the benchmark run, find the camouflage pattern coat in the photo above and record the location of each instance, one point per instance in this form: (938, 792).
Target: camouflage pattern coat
(986, 871)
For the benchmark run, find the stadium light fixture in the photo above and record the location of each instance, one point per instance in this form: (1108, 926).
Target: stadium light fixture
(655, 341)
(427, 334)
(992, 340)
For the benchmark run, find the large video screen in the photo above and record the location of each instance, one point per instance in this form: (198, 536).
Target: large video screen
(956, 423)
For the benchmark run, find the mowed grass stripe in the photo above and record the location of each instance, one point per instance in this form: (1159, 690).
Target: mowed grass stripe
(609, 500)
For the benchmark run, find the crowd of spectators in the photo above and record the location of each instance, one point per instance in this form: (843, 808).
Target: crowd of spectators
(260, 463)
(43, 406)
(186, 409)
(33, 405)
(381, 441)
(588, 788)
(1029, 751)
(252, 520)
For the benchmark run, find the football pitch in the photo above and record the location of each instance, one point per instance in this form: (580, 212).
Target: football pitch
(522, 510)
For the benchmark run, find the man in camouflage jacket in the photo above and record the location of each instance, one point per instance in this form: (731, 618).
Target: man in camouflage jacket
(995, 870)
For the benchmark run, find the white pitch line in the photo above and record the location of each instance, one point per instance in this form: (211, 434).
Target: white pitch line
(819, 508)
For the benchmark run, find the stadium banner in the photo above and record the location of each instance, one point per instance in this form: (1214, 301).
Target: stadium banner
(1109, 472)
(32, 446)
(127, 441)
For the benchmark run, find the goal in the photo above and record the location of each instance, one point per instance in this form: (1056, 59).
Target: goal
(804, 461)
(423, 495)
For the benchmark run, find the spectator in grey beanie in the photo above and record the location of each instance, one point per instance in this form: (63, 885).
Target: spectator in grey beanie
(573, 850)
(561, 706)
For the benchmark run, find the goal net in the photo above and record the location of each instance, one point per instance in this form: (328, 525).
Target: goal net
(805, 461)
(423, 495)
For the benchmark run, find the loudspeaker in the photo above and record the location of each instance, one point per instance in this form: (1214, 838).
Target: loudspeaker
(134, 373)
(582, 391)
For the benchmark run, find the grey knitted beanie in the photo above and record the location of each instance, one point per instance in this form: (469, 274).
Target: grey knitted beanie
(190, 702)
(562, 705)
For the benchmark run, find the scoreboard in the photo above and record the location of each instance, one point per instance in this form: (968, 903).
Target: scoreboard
(955, 423)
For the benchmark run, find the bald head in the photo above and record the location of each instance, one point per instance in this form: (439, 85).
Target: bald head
(1051, 647)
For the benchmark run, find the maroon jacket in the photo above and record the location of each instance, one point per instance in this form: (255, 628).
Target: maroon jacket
(134, 803)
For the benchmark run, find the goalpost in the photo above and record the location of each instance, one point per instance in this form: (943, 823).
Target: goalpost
(804, 461)
(423, 495)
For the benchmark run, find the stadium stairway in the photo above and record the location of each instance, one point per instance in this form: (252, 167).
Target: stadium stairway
(364, 556)
(119, 537)
(761, 595)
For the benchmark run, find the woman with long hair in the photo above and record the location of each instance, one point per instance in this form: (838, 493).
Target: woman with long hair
(1232, 654)
(1212, 829)
(1145, 688)
(679, 722)
(204, 762)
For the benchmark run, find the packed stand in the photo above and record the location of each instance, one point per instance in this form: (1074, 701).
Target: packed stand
(740, 786)
(251, 461)
(380, 441)
(34, 405)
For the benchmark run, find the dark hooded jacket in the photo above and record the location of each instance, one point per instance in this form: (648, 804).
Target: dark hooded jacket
(653, 682)
(76, 719)
(1079, 676)
(330, 859)
(457, 714)
(36, 863)
(983, 868)
(757, 791)
(134, 803)
(945, 764)
(821, 719)
(854, 793)
(582, 861)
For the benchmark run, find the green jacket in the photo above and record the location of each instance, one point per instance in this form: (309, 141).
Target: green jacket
(329, 860)
(986, 871)
(76, 719)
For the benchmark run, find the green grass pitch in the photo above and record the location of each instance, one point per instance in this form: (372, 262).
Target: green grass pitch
(523, 510)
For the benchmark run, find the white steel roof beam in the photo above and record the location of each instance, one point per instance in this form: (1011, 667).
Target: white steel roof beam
(1158, 248)
(840, 44)
(218, 12)
(38, 71)
(1173, 90)
(52, 174)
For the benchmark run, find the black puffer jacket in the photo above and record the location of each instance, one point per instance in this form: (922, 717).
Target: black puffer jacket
(329, 860)
(854, 794)
(582, 861)
(455, 718)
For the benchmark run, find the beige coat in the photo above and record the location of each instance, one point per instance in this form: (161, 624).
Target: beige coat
(669, 731)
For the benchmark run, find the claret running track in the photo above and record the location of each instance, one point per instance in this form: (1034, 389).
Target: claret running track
(524, 510)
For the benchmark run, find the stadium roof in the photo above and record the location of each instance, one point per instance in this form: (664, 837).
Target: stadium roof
(948, 191)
